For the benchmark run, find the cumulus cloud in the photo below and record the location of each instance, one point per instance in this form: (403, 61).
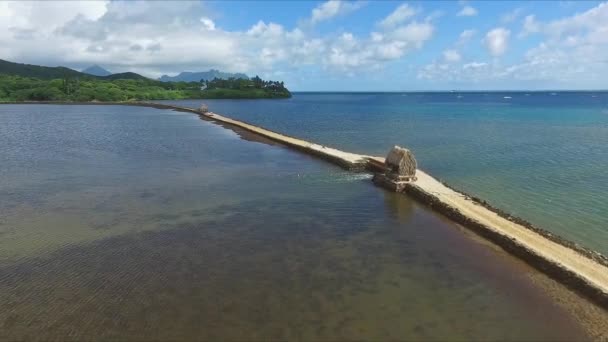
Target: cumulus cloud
(467, 11)
(571, 56)
(451, 56)
(401, 14)
(589, 26)
(529, 26)
(574, 47)
(511, 16)
(497, 41)
(208, 23)
(146, 37)
(349, 52)
(333, 8)
(472, 75)
(465, 36)
(414, 33)
(591, 21)
(49, 15)
(399, 34)
(152, 37)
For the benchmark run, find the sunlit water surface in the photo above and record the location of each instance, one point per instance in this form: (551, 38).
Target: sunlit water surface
(137, 223)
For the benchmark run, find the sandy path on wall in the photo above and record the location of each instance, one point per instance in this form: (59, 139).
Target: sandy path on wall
(591, 271)
(351, 158)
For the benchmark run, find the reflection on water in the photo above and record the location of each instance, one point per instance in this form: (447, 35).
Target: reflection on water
(399, 206)
(176, 229)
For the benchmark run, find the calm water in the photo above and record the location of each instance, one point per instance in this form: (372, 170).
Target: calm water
(136, 223)
(540, 156)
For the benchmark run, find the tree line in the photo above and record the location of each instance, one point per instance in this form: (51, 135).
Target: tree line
(255, 83)
(70, 88)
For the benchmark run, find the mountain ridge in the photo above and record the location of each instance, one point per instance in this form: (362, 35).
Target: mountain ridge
(49, 73)
(96, 70)
(196, 76)
(38, 71)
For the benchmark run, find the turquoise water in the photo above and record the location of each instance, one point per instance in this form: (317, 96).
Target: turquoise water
(540, 156)
(126, 223)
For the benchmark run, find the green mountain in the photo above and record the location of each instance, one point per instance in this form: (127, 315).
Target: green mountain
(96, 70)
(187, 76)
(125, 76)
(26, 82)
(49, 73)
(37, 71)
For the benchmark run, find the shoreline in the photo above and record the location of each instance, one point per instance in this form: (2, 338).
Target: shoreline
(583, 270)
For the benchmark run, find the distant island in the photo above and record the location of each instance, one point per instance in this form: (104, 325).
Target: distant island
(25, 82)
(187, 76)
(237, 88)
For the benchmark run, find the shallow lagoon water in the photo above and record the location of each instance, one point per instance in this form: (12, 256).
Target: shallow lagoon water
(541, 156)
(138, 223)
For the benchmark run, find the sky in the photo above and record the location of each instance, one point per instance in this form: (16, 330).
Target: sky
(366, 45)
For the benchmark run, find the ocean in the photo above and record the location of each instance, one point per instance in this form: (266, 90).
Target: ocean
(131, 223)
(541, 156)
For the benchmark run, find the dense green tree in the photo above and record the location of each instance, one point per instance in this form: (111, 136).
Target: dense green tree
(70, 88)
(255, 87)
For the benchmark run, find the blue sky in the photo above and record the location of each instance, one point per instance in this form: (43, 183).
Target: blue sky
(324, 45)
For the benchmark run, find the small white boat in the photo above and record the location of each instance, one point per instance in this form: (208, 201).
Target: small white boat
(507, 97)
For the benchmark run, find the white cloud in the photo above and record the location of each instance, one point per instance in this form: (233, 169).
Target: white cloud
(511, 16)
(208, 23)
(574, 49)
(146, 37)
(398, 16)
(474, 65)
(467, 11)
(348, 52)
(398, 36)
(261, 29)
(571, 56)
(471, 75)
(413, 33)
(497, 41)
(589, 27)
(44, 17)
(333, 8)
(434, 15)
(451, 56)
(590, 20)
(465, 37)
(530, 25)
(151, 38)
(376, 37)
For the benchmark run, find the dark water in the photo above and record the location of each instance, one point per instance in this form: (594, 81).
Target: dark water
(135, 223)
(540, 156)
